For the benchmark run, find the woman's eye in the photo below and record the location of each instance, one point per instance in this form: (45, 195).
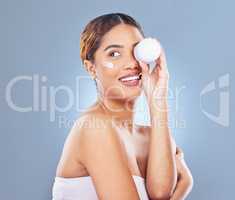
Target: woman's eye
(114, 54)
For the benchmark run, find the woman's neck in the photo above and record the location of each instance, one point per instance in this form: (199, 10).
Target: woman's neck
(120, 111)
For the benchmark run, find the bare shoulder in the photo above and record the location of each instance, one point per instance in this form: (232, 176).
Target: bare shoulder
(70, 161)
(96, 135)
(103, 156)
(92, 125)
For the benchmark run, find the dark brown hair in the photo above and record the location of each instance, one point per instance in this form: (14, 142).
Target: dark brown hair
(94, 31)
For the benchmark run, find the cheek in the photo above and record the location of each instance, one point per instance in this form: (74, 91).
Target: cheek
(108, 72)
(108, 65)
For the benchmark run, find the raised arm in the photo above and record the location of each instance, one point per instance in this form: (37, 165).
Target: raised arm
(106, 163)
(161, 166)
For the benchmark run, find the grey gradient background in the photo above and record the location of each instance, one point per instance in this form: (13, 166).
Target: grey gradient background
(42, 37)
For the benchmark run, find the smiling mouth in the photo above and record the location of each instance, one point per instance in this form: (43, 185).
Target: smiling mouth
(131, 80)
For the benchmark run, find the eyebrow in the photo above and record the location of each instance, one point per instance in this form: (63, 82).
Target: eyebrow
(117, 46)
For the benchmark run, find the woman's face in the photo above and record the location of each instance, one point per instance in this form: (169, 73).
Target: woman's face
(115, 59)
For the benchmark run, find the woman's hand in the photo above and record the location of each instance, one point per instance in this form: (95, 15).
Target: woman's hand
(182, 168)
(185, 180)
(155, 83)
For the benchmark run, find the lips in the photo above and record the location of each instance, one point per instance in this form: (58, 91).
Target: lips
(130, 76)
(132, 79)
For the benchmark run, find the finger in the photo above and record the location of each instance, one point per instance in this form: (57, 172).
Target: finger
(178, 150)
(156, 68)
(179, 153)
(179, 165)
(162, 60)
(144, 67)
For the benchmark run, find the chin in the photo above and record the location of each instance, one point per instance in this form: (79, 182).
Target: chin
(132, 94)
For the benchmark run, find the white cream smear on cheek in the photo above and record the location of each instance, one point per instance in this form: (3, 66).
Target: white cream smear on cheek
(108, 65)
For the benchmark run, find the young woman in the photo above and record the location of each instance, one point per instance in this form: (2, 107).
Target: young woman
(106, 156)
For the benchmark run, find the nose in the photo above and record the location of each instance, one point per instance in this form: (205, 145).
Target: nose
(132, 63)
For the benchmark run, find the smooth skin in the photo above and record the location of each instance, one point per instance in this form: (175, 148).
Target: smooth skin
(105, 144)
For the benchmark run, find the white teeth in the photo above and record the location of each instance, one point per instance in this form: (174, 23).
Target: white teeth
(130, 78)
